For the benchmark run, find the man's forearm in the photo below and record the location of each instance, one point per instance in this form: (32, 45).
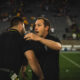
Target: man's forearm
(51, 44)
(33, 62)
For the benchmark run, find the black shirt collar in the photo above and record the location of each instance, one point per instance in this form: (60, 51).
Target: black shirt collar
(12, 30)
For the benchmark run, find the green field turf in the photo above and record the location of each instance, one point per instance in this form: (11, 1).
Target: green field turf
(69, 66)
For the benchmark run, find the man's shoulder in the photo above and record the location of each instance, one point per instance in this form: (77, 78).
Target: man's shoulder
(54, 38)
(9, 36)
(3, 35)
(32, 42)
(8, 33)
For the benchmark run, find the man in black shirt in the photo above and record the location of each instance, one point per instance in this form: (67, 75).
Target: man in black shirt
(12, 51)
(52, 47)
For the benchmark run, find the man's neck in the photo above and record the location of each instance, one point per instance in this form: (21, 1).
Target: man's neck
(45, 34)
(16, 29)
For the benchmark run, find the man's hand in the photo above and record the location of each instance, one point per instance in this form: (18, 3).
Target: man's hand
(32, 36)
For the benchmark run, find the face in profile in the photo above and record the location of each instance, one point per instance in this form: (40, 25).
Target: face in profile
(39, 27)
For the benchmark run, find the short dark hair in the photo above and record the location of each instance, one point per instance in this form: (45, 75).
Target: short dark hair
(46, 22)
(15, 21)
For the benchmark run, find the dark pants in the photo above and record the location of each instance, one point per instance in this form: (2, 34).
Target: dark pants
(4, 75)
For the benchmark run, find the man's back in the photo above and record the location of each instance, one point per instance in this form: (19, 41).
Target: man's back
(11, 50)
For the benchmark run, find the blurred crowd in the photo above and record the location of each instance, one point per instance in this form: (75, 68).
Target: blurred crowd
(11, 8)
(72, 32)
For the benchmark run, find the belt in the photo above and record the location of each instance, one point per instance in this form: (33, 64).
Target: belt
(12, 75)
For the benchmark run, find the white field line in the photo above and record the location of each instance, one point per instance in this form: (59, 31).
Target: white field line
(70, 52)
(73, 62)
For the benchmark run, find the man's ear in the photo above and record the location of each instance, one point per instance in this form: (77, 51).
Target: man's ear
(20, 26)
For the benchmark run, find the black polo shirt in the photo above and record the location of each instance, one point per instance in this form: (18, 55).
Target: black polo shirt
(51, 67)
(48, 58)
(11, 50)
